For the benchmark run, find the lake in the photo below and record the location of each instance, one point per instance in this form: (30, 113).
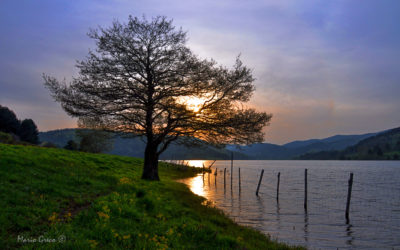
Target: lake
(374, 207)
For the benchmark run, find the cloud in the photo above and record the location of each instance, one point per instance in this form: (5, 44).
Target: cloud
(322, 67)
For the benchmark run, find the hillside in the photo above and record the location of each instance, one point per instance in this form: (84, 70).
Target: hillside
(383, 146)
(76, 200)
(134, 147)
(267, 151)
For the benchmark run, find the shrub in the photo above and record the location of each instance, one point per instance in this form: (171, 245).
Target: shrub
(47, 144)
(71, 145)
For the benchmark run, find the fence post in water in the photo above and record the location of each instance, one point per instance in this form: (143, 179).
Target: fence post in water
(277, 186)
(240, 187)
(231, 168)
(224, 178)
(259, 182)
(349, 197)
(203, 174)
(212, 164)
(305, 189)
(215, 177)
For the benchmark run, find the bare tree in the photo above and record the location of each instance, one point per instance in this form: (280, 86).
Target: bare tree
(143, 79)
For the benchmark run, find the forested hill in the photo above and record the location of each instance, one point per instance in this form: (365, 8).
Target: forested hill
(383, 146)
(260, 151)
(134, 146)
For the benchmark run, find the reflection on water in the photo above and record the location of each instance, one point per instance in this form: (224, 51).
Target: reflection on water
(374, 209)
(196, 185)
(197, 163)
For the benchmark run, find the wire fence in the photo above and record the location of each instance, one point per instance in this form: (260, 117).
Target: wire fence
(374, 208)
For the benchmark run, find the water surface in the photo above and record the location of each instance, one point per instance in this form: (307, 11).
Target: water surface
(374, 208)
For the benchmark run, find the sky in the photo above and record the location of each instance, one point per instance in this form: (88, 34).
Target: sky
(321, 67)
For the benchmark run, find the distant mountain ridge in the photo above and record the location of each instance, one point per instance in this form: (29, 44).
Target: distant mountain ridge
(259, 151)
(381, 146)
(267, 151)
(134, 146)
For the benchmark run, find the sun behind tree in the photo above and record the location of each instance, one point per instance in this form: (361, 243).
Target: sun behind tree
(143, 79)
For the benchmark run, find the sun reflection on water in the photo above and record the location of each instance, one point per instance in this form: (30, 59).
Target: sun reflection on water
(196, 163)
(196, 185)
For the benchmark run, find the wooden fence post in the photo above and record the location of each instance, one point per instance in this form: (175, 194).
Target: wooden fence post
(215, 177)
(224, 178)
(212, 164)
(277, 186)
(231, 168)
(240, 187)
(349, 197)
(305, 189)
(259, 182)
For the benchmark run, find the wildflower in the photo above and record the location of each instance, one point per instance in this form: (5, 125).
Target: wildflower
(170, 231)
(140, 235)
(68, 216)
(103, 215)
(125, 237)
(93, 243)
(125, 180)
(53, 217)
(106, 209)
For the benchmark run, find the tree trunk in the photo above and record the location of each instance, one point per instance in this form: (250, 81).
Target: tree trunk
(150, 169)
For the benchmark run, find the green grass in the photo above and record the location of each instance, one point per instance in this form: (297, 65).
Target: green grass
(99, 201)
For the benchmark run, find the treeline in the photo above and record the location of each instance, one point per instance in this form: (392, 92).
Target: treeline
(25, 132)
(384, 146)
(14, 130)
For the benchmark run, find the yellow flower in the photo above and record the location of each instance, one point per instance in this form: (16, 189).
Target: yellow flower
(140, 235)
(93, 243)
(106, 209)
(125, 180)
(53, 217)
(125, 237)
(116, 235)
(103, 215)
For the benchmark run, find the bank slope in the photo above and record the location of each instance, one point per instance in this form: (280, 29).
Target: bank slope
(83, 201)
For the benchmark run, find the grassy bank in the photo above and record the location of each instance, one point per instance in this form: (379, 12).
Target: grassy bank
(83, 201)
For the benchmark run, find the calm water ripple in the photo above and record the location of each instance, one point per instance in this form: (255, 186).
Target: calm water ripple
(374, 209)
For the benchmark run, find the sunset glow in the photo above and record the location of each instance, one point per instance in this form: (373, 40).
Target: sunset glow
(196, 163)
(192, 103)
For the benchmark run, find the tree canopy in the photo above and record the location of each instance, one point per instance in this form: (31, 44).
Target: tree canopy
(8, 121)
(143, 79)
(28, 131)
